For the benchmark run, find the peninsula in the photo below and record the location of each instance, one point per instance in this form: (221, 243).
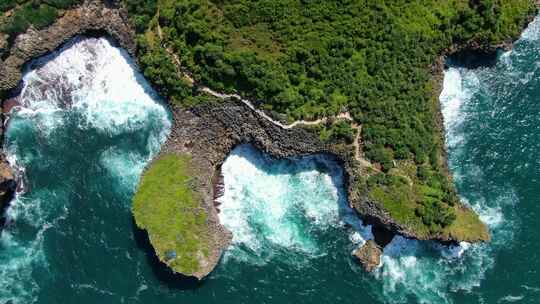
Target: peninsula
(355, 80)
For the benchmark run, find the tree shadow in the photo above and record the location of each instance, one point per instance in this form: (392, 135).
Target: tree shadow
(161, 271)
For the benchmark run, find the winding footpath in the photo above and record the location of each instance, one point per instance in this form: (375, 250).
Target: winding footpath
(357, 145)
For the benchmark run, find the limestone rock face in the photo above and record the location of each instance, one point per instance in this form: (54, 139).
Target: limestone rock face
(369, 255)
(7, 188)
(208, 132)
(93, 16)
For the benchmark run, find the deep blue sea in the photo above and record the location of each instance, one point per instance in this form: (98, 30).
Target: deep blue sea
(88, 124)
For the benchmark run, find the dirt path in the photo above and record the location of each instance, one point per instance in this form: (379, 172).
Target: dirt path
(358, 155)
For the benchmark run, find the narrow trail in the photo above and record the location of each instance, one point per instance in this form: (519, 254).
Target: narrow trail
(341, 116)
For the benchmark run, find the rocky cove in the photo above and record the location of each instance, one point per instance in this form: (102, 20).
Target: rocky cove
(210, 131)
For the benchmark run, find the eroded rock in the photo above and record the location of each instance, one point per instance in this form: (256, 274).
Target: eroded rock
(7, 188)
(208, 133)
(369, 255)
(91, 17)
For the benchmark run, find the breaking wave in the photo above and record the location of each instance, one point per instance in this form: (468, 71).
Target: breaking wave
(270, 205)
(82, 108)
(88, 123)
(281, 206)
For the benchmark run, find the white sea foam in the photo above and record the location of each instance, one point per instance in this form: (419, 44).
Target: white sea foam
(532, 32)
(454, 251)
(20, 257)
(458, 87)
(125, 166)
(275, 205)
(260, 200)
(452, 96)
(511, 299)
(96, 79)
(430, 271)
(16, 278)
(90, 79)
(425, 269)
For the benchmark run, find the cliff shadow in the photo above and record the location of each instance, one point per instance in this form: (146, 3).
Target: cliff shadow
(473, 59)
(8, 187)
(161, 271)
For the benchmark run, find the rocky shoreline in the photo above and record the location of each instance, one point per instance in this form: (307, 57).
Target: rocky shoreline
(210, 131)
(94, 17)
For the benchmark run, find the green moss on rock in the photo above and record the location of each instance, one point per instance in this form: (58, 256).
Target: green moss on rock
(169, 208)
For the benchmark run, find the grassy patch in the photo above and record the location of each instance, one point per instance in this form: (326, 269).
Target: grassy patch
(414, 197)
(257, 38)
(168, 207)
(467, 227)
(401, 202)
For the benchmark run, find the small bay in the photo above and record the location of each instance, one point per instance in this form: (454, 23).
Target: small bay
(88, 124)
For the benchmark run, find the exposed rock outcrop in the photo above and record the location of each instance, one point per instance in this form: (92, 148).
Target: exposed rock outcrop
(7, 188)
(369, 255)
(209, 132)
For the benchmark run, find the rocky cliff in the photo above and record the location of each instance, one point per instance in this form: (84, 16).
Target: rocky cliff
(209, 131)
(93, 17)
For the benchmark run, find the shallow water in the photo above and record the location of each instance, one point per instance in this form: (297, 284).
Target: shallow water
(71, 238)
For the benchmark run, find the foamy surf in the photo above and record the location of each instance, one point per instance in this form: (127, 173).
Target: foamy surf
(16, 279)
(265, 203)
(91, 76)
(532, 32)
(272, 205)
(278, 221)
(88, 87)
(431, 272)
(424, 271)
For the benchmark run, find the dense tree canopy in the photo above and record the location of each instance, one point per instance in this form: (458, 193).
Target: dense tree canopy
(306, 59)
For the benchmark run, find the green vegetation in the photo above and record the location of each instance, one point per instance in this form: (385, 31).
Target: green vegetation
(414, 198)
(168, 207)
(16, 16)
(306, 59)
(334, 131)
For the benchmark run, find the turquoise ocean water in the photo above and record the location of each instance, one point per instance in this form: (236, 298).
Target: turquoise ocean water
(71, 239)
